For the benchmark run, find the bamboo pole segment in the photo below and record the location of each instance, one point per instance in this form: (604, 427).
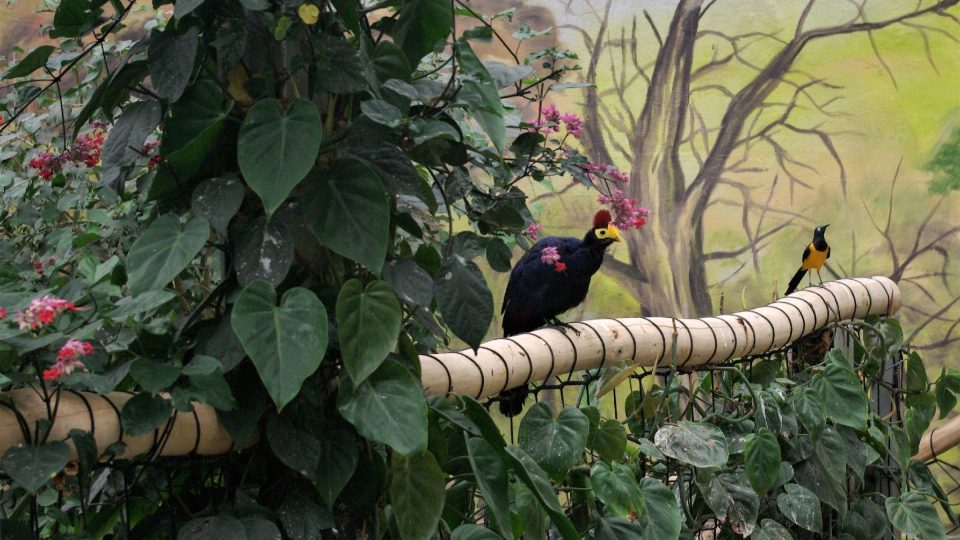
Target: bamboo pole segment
(938, 440)
(506, 363)
(198, 432)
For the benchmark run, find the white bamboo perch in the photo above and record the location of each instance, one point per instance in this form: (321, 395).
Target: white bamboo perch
(189, 433)
(938, 440)
(647, 341)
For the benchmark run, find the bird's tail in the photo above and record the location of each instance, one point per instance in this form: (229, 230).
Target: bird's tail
(795, 281)
(511, 401)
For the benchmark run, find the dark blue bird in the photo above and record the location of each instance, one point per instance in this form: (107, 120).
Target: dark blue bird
(551, 278)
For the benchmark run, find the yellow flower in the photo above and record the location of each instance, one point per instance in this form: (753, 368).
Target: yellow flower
(309, 13)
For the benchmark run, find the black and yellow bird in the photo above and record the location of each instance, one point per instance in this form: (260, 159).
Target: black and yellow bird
(551, 278)
(814, 257)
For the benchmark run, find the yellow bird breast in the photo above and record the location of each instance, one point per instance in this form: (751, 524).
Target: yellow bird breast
(815, 260)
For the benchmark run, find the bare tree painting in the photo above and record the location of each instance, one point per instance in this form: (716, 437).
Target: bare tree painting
(682, 159)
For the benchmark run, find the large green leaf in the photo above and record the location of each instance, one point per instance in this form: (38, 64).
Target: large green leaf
(695, 443)
(824, 472)
(762, 459)
(172, 55)
(771, 530)
(144, 413)
(411, 282)
(388, 407)
(420, 25)
(33, 61)
(349, 212)
(608, 440)
(865, 520)
(464, 300)
(616, 486)
(285, 342)
(480, 96)
(276, 148)
(212, 528)
(527, 470)
(469, 531)
(294, 447)
(32, 466)
(801, 506)
(302, 518)
(662, 519)
(842, 392)
(126, 139)
(491, 474)
(218, 200)
(417, 494)
(153, 376)
(190, 135)
(338, 459)
(368, 322)
(264, 250)
(809, 408)
(554, 443)
(74, 18)
(730, 496)
(947, 390)
(914, 516)
(163, 251)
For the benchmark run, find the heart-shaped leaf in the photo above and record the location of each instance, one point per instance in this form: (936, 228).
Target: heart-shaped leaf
(802, 507)
(368, 322)
(662, 518)
(491, 474)
(417, 494)
(32, 466)
(616, 486)
(163, 251)
(464, 300)
(349, 212)
(287, 342)
(554, 443)
(144, 413)
(913, 515)
(217, 200)
(276, 148)
(762, 459)
(338, 459)
(695, 443)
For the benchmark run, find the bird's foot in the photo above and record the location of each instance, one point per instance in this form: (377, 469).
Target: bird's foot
(820, 278)
(563, 327)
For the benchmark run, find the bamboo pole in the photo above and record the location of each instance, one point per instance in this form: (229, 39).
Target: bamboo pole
(938, 440)
(506, 363)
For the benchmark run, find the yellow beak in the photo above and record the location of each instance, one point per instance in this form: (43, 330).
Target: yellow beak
(613, 232)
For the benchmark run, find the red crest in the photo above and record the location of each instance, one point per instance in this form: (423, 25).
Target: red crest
(602, 219)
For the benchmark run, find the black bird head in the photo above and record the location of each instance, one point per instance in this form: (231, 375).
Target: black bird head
(603, 232)
(819, 231)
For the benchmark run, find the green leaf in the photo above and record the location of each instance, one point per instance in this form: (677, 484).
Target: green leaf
(409, 281)
(74, 18)
(609, 440)
(480, 95)
(153, 376)
(381, 112)
(824, 472)
(185, 7)
(465, 302)
(349, 212)
(616, 487)
(264, 249)
(865, 520)
(662, 519)
(212, 528)
(163, 251)
(368, 322)
(801, 506)
(554, 443)
(218, 200)
(259, 528)
(730, 496)
(498, 255)
(762, 459)
(469, 531)
(810, 411)
(388, 407)
(389, 62)
(33, 61)
(144, 413)
(287, 342)
(842, 392)
(190, 134)
(616, 528)
(917, 380)
(126, 138)
(294, 447)
(771, 530)
(417, 492)
(86, 447)
(276, 148)
(420, 25)
(695, 443)
(527, 470)
(142, 303)
(338, 66)
(914, 516)
(338, 460)
(947, 390)
(491, 475)
(302, 518)
(31, 466)
(172, 57)
(530, 512)
(213, 390)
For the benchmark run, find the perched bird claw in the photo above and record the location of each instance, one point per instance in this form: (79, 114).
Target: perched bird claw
(563, 327)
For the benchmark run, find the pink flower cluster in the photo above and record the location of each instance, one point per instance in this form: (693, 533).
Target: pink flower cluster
(551, 119)
(608, 172)
(628, 214)
(533, 231)
(86, 150)
(147, 149)
(551, 257)
(42, 311)
(68, 359)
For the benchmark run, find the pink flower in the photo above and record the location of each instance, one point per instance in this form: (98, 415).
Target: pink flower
(549, 119)
(533, 231)
(42, 312)
(86, 150)
(549, 255)
(609, 172)
(68, 359)
(51, 374)
(628, 214)
(574, 124)
(3, 312)
(560, 266)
